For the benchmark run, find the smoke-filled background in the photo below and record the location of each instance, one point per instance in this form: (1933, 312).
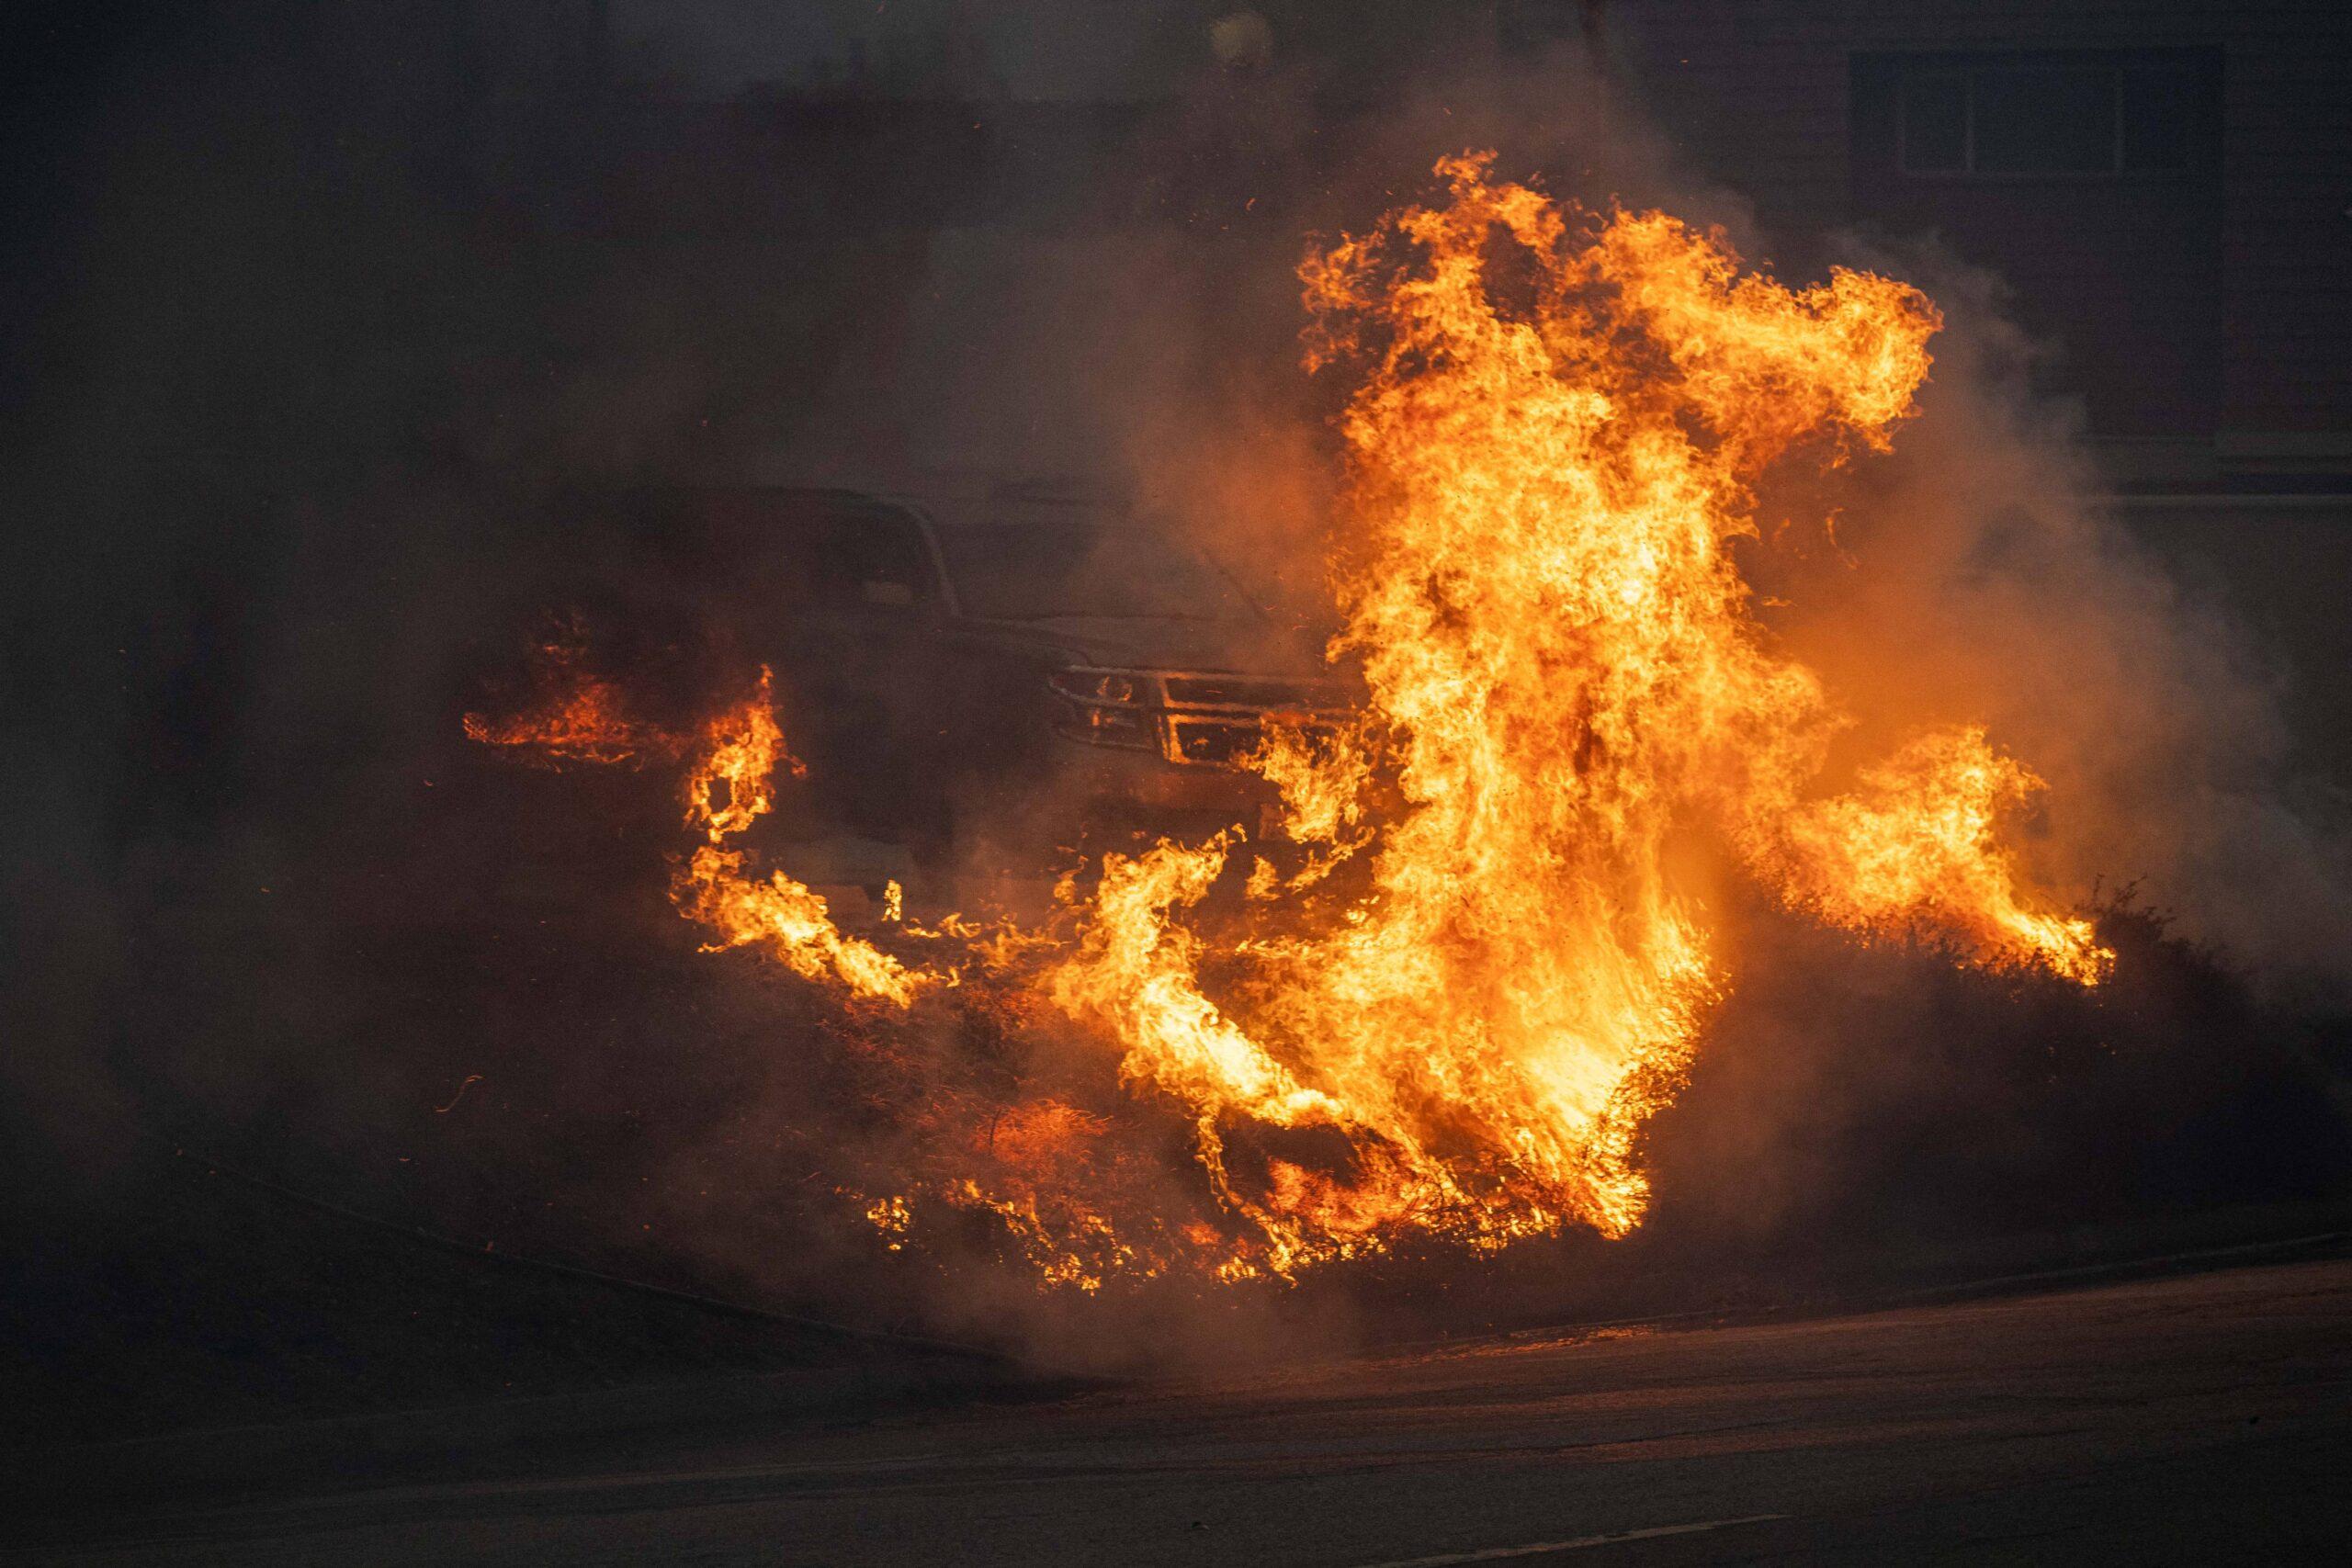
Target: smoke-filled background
(320, 312)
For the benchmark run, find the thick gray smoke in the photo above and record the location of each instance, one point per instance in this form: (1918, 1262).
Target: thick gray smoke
(1972, 574)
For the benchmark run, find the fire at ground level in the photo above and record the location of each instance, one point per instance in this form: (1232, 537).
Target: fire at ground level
(2190, 1419)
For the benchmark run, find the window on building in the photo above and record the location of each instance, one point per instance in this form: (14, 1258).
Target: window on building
(2086, 113)
(2090, 182)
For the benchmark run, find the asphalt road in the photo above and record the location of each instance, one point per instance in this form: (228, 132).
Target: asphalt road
(2201, 1418)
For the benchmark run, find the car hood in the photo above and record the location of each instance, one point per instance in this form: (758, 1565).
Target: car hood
(1153, 643)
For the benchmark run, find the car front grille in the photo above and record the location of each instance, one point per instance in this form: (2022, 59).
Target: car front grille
(1206, 718)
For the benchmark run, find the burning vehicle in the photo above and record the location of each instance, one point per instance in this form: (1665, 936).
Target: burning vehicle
(975, 685)
(1493, 956)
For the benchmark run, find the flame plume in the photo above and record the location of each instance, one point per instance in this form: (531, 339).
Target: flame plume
(1564, 674)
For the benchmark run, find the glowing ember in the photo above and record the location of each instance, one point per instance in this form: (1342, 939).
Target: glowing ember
(1553, 441)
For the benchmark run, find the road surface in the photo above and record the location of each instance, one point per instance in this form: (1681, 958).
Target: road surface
(2201, 1418)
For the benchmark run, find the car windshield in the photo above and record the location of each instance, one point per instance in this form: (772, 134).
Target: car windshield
(1052, 569)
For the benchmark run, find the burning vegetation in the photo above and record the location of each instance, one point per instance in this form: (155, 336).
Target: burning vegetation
(1497, 944)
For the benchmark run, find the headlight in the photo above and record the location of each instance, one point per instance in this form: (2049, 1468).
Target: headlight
(1103, 708)
(1094, 685)
(1110, 727)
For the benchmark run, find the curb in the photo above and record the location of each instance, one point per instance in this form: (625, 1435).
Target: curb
(66, 1480)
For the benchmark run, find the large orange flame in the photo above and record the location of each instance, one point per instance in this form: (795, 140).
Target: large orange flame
(1567, 679)
(1553, 440)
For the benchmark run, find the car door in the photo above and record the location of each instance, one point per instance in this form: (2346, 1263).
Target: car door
(842, 602)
